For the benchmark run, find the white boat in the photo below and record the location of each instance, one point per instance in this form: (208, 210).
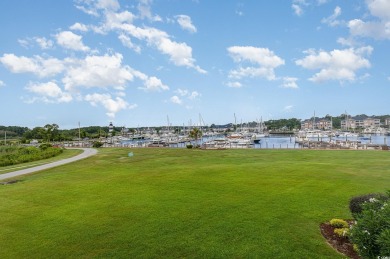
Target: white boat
(348, 135)
(311, 134)
(236, 135)
(256, 138)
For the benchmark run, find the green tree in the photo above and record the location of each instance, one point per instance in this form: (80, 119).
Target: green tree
(195, 134)
(50, 131)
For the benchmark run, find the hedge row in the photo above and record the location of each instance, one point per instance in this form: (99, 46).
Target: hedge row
(17, 155)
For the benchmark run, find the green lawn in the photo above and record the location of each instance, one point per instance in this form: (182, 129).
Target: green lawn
(187, 203)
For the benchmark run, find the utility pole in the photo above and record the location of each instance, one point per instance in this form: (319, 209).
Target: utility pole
(79, 135)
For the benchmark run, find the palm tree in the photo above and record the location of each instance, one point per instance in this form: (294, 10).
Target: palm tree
(195, 133)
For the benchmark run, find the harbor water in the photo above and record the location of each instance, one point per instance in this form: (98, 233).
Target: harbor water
(277, 142)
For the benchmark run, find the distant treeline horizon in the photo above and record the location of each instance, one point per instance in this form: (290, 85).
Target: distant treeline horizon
(53, 132)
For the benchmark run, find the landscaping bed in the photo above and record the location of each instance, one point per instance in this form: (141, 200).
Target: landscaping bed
(340, 243)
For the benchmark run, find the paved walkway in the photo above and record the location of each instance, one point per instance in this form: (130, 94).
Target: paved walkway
(87, 153)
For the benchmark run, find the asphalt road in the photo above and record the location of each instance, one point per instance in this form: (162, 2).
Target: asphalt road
(87, 153)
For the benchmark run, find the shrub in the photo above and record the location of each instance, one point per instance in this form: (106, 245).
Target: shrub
(19, 155)
(341, 232)
(97, 144)
(355, 204)
(44, 146)
(371, 233)
(189, 146)
(339, 223)
(384, 242)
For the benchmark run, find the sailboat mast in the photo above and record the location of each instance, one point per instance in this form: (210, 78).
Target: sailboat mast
(235, 121)
(168, 122)
(331, 123)
(314, 119)
(200, 122)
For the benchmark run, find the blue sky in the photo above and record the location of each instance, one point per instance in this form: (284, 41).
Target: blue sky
(135, 62)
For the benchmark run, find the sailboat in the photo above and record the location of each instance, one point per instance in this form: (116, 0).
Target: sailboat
(256, 138)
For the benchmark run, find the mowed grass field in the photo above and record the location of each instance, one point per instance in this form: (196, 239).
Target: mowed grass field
(174, 203)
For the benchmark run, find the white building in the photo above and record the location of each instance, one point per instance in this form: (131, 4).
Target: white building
(359, 123)
(322, 124)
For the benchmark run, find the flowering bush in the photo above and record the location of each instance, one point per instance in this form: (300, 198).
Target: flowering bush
(371, 232)
(355, 204)
(338, 223)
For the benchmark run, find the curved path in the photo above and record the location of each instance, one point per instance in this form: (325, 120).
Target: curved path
(87, 153)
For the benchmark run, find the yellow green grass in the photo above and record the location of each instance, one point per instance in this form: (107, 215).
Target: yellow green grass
(187, 203)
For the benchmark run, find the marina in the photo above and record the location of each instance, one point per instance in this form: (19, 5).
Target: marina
(245, 141)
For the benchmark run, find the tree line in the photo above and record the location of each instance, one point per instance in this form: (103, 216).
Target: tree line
(52, 132)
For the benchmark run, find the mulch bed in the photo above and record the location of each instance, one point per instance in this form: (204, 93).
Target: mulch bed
(341, 244)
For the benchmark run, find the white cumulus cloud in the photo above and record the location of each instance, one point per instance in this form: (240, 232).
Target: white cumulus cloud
(332, 20)
(180, 54)
(337, 64)
(49, 92)
(126, 41)
(79, 27)
(104, 71)
(263, 59)
(297, 9)
(298, 5)
(186, 93)
(44, 43)
(116, 20)
(234, 84)
(379, 8)
(176, 99)
(145, 11)
(154, 84)
(377, 28)
(261, 56)
(108, 4)
(182, 92)
(194, 95)
(185, 23)
(70, 40)
(93, 7)
(290, 82)
(42, 67)
(112, 105)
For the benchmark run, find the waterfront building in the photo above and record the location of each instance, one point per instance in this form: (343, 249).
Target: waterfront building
(372, 123)
(353, 123)
(321, 124)
(387, 122)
